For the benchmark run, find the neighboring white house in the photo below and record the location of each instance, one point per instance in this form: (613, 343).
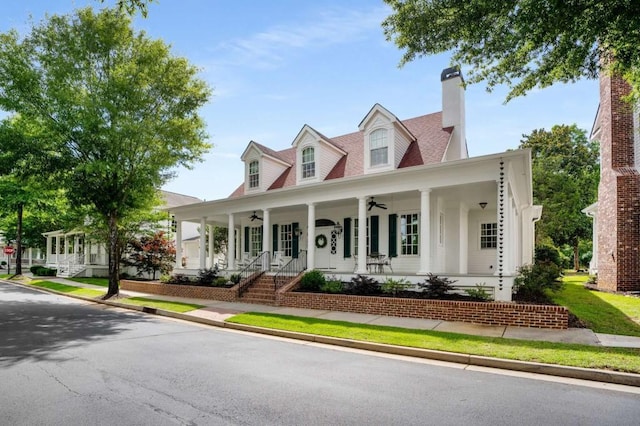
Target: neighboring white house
(397, 197)
(73, 255)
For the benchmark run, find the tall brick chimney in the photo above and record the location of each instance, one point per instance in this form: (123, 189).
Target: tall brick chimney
(618, 191)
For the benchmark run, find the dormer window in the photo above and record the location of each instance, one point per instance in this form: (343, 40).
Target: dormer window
(254, 174)
(378, 146)
(308, 163)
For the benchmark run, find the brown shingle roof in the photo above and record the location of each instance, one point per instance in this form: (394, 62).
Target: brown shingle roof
(429, 148)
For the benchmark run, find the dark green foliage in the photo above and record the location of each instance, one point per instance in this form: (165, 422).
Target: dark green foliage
(235, 278)
(312, 280)
(43, 271)
(547, 254)
(435, 287)
(363, 285)
(332, 286)
(35, 268)
(220, 282)
(534, 280)
(208, 276)
(179, 279)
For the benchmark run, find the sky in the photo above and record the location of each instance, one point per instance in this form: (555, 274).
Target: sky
(277, 65)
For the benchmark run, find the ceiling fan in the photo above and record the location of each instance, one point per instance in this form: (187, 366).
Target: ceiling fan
(373, 203)
(254, 216)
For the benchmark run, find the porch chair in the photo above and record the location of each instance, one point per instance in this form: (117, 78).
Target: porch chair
(276, 260)
(387, 262)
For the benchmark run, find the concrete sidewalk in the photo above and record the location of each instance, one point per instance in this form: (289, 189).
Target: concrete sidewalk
(220, 311)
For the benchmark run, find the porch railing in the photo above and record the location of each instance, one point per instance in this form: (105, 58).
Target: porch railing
(70, 264)
(290, 270)
(253, 270)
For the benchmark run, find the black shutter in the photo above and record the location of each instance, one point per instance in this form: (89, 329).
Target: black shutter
(347, 236)
(246, 239)
(274, 238)
(374, 234)
(393, 235)
(294, 240)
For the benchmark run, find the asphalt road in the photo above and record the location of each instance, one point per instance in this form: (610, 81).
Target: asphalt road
(64, 362)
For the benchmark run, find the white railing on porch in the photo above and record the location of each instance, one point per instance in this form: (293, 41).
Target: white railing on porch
(70, 265)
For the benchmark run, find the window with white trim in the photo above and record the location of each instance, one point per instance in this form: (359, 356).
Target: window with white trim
(488, 235)
(255, 238)
(286, 239)
(254, 174)
(378, 147)
(409, 234)
(355, 236)
(308, 163)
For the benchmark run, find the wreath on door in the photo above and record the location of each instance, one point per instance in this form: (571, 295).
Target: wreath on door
(321, 241)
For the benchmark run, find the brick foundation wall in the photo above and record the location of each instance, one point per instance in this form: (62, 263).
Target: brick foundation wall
(618, 191)
(191, 291)
(488, 313)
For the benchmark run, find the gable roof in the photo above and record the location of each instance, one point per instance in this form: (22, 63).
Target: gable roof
(429, 147)
(266, 151)
(173, 199)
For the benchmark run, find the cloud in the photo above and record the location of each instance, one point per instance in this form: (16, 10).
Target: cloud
(268, 49)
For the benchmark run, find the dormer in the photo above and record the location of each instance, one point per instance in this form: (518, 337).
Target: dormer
(316, 155)
(262, 166)
(386, 140)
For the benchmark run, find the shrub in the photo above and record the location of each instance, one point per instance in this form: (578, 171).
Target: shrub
(235, 278)
(332, 286)
(435, 287)
(391, 286)
(179, 279)
(546, 253)
(34, 269)
(165, 278)
(208, 275)
(479, 293)
(364, 285)
(312, 280)
(220, 282)
(534, 280)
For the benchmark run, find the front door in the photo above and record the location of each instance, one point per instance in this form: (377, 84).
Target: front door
(322, 246)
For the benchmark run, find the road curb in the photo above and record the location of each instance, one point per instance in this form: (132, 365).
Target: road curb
(605, 376)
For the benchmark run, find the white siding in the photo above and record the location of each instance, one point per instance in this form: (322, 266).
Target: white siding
(327, 160)
(269, 172)
(400, 147)
(481, 261)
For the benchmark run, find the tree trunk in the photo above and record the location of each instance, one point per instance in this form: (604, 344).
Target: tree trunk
(114, 258)
(19, 241)
(576, 256)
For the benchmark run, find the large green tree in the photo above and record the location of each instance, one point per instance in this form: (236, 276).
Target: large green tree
(565, 180)
(522, 43)
(122, 109)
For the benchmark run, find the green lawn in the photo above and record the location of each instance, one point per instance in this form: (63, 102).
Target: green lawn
(68, 289)
(161, 304)
(102, 282)
(602, 312)
(619, 359)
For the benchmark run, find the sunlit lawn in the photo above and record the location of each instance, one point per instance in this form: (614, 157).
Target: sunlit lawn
(68, 289)
(602, 312)
(102, 282)
(546, 352)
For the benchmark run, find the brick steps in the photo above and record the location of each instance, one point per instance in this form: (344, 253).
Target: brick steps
(261, 292)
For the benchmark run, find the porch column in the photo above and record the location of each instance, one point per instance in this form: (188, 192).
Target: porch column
(231, 243)
(30, 257)
(47, 257)
(57, 237)
(178, 243)
(362, 235)
(463, 243)
(266, 230)
(212, 233)
(311, 236)
(203, 242)
(425, 232)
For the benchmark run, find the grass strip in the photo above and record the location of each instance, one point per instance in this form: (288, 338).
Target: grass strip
(102, 282)
(161, 304)
(602, 312)
(67, 289)
(618, 359)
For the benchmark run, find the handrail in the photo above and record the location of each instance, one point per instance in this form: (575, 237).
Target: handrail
(290, 270)
(254, 268)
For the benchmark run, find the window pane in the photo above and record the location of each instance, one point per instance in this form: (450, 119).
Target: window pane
(254, 176)
(308, 163)
(286, 239)
(378, 147)
(409, 234)
(488, 235)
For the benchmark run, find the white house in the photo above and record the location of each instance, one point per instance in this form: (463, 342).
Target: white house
(395, 198)
(71, 254)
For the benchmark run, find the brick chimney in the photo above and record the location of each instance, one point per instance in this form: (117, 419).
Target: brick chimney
(618, 191)
(453, 114)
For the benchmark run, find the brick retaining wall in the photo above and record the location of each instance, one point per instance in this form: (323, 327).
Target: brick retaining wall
(192, 291)
(489, 313)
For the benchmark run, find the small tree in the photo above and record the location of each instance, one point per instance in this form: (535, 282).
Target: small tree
(151, 253)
